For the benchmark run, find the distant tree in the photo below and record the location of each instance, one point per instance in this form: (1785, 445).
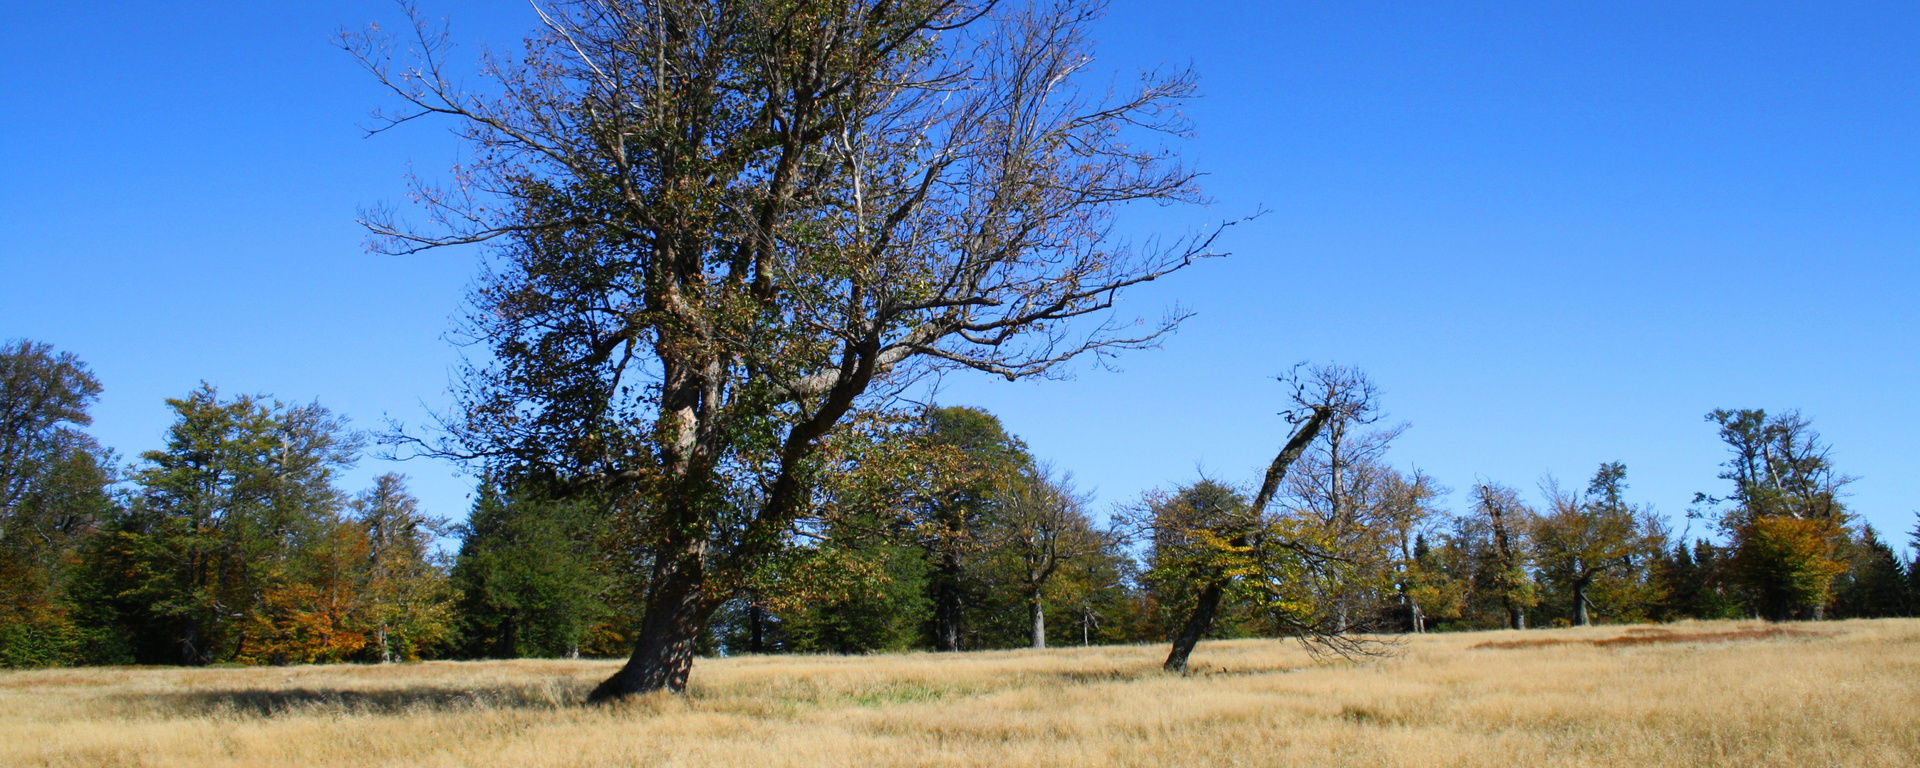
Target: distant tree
(1102, 592)
(971, 470)
(1587, 539)
(530, 575)
(723, 229)
(408, 596)
(853, 593)
(53, 494)
(223, 524)
(1913, 569)
(1874, 584)
(1505, 556)
(1189, 566)
(1341, 487)
(1784, 515)
(1440, 577)
(315, 611)
(1690, 582)
(1040, 526)
(1407, 515)
(1215, 542)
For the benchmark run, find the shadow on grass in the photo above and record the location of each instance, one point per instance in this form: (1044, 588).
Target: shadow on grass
(277, 702)
(1658, 636)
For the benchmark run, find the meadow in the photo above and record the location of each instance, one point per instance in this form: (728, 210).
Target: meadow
(1687, 694)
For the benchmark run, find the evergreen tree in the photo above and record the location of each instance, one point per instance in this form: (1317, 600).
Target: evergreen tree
(1913, 569)
(1874, 584)
(224, 529)
(529, 576)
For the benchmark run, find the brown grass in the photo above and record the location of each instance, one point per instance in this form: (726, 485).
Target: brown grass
(1724, 693)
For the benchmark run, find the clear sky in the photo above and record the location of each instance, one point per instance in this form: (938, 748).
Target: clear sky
(1553, 236)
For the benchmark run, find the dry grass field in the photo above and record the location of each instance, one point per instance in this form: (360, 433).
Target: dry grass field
(1690, 694)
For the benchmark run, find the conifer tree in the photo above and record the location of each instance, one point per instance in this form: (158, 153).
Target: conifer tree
(225, 523)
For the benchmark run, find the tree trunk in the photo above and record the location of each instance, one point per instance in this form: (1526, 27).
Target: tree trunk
(756, 627)
(1209, 603)
(189, 645)
(1196, 627)
(1580, 617)
(946, 604)
(663, 655)
(1037, 611)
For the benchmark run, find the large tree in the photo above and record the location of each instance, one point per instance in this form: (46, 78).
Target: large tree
(53, 492)
(970, 473)
(1784, 515)
(720, 227)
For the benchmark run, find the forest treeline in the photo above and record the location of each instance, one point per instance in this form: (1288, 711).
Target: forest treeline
(235, 542)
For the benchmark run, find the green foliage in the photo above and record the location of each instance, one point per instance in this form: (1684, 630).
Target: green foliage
(53, 494)
(967, 469)
(1783, 515)
(1691, 581)
(852, 597)
(1503, 553)
(530, 576)
(1874, 584)
(407, 595)
(1595, 551)
(1191, 543)
(226, 522)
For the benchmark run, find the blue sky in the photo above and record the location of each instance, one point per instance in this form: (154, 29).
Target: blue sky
(1555, 237)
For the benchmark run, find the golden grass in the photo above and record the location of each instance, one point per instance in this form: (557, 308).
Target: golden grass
(1720, 693)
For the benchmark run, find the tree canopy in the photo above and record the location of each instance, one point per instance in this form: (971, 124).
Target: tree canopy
(722, 227)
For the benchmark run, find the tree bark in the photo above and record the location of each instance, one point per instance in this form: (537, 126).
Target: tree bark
(1580, 617)
(1197, 625)
(756, 627)
(676, 613)
(1209, 603)
(1037, 611)
(946, 603)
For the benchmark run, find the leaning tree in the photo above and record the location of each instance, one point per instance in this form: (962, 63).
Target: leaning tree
(720, 229)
